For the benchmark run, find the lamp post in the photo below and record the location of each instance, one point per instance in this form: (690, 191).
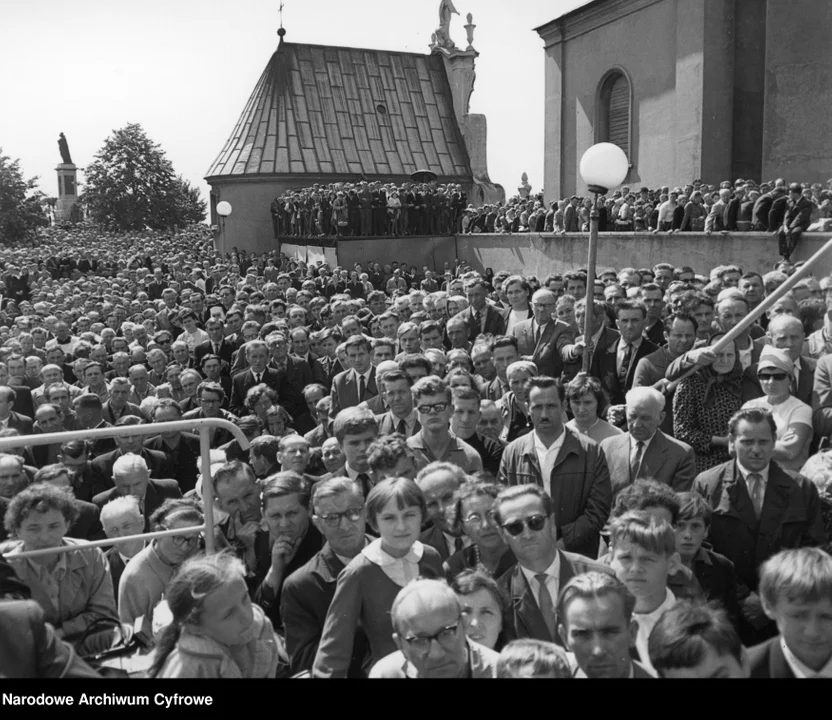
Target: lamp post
(603, 166)
(223, 210)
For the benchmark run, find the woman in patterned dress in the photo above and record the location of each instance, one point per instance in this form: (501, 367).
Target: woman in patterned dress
(705, 401)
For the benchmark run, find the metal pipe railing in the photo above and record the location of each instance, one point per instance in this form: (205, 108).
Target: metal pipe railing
(203, 425)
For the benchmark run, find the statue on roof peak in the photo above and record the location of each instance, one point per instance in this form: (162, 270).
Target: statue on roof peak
(443, 36)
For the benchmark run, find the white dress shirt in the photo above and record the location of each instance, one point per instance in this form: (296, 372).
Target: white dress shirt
(547, 457)
(552, 580)
(745, 356)
(401, 570)
(763, 473)
(646, 623)
(803, 671)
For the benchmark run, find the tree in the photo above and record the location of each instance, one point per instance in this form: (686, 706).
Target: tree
(21, 203)
(131, 186)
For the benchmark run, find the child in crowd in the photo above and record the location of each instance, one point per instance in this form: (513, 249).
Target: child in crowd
(714, 572)
(796, 593)
(370, 583)
(643, 554)
(216, 631)
(533, 659)
(692, 640)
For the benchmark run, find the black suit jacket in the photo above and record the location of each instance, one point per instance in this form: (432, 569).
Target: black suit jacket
(547, 353)
(243, 381)
(495, 323)
(767, 660)
(345, 390)
(291, 383)
(87, 525)
(523, 618)
(608, 368)
(23, 403)
(116, 567)
(156, 493)
(607, 337)
(226, 351)
(790, 517)
(20, 422)
(182, 462)
(159, 464)
(305, 599)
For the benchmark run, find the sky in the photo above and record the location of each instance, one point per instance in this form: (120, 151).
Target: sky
(184, 70)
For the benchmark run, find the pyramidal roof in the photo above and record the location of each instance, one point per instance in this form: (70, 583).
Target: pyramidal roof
(346, 111)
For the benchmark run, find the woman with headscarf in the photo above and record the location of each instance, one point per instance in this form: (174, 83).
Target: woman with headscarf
(706, 401)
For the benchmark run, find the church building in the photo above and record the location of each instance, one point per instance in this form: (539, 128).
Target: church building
(710, 89)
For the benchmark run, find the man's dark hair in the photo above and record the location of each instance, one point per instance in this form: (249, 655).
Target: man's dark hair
(646, 494)
(754, 416)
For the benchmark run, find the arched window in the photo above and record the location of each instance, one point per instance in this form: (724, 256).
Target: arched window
(613, 118)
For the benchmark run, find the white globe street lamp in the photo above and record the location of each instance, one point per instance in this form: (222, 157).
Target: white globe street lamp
(223, 210)
(603, 166)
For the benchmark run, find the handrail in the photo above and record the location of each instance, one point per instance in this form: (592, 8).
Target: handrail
(203, 425)
(62, 549)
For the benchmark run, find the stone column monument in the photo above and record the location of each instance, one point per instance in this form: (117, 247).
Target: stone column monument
(67, 183)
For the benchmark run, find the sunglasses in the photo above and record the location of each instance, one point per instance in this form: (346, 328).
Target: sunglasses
(773, 376)
(535, 523)
(429, 409)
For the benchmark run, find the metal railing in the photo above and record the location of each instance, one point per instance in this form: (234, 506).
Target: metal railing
(203, 425)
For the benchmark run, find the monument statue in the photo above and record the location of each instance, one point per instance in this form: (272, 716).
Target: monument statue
(525, 187)
(66, 158)
(443, 37)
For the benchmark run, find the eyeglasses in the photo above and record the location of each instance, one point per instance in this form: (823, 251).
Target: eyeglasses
(429, 409)
(164, 341)
(334, 519)
(180, 540)
(773, 376)
(446, 637)
(535, 523)
(477, 519)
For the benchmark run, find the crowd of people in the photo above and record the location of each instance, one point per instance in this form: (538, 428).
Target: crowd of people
(444, 477)
(375, 209)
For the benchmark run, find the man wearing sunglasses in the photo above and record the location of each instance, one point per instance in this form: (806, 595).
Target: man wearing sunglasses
(527, 523)
(338, 512)
(427, 620)
(435, 442)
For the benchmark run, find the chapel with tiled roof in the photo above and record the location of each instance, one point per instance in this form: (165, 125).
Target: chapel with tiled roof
(322, 114)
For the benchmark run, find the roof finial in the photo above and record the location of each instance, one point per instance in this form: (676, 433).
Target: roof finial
(281, 33)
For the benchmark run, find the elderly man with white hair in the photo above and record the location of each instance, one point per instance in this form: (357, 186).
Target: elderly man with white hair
(644, 452)
(122, 517)
(132, 477)
(430, 635)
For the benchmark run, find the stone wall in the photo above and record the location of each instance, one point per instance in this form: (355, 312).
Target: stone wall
(536, 254)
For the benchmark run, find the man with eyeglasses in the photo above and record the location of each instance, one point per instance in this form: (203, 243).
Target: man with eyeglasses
(525, 515)
(435, 441)
(211, 398)
(427, 619)
(567, 466)
(541, 338)
(338, 512)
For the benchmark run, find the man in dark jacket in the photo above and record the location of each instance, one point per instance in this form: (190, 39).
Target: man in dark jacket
(797, 219)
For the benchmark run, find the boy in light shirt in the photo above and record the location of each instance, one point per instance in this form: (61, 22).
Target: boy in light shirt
(643, 554)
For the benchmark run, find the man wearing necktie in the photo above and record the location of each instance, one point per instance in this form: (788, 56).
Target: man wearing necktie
(525, 516)
(543, 340)
(257, 355)
(480, 318)
(623, 356)
(354, 386)
(759, 509)
(215, 345)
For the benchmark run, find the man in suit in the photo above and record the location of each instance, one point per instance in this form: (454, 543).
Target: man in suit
(602, 337)
(797, 218)
(645, 452)
(300, 350)
(525, 515)
(338, 512)
(9, 419)
(569, 467)
(480, 317)
(180, 448)
(132, 477)
(617, 362)
(761, 213)
(355, 429)
(257, 355)
(464, 424)
(122, 517)
(715, 222)
(159, 463)
(680, 334)
(358, 384)
(571, 223)
(542, 339)
(294, 375)
(401, 417)
(759, 509)
(652, 296)
(216, 344)
(795, 590)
